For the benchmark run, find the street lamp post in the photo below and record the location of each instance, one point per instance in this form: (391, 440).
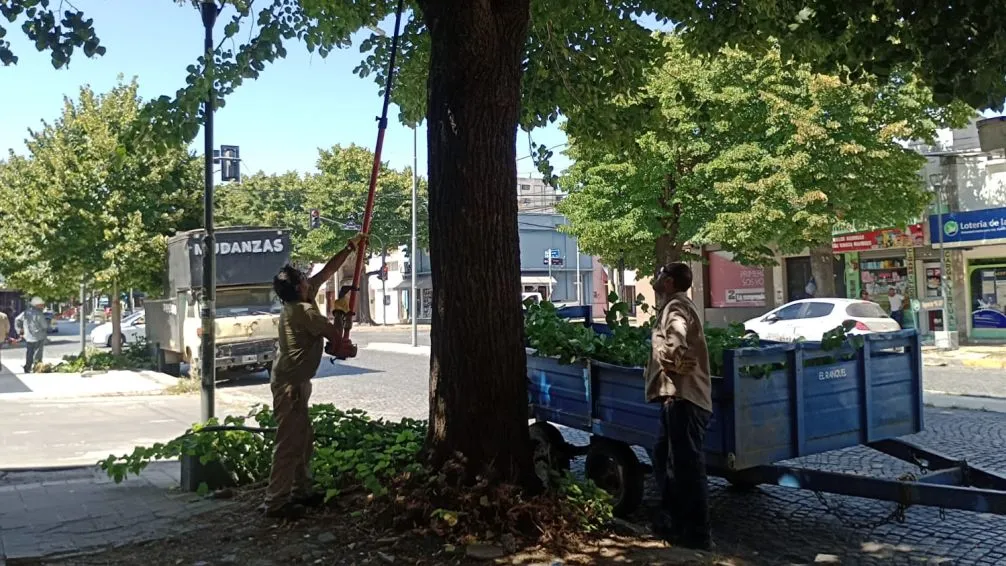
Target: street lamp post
(414, 250)
(208, 344)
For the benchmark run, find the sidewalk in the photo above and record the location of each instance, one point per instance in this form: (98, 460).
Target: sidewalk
(988, 357)
(77, 385)
(59, 512)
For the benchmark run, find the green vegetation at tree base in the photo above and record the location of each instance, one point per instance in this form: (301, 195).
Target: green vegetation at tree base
(134, 356)
(353, 454)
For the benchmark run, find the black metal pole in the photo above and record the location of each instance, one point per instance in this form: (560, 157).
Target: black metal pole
(207, 350)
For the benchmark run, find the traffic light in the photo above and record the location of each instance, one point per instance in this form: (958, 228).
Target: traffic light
(383, 273)
(315, 219)
(230, 163)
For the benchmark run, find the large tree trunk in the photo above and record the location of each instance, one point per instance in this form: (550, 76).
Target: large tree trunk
(478, 390)
(667, 251)
(363, 315)
(116, 320)
(822, 267)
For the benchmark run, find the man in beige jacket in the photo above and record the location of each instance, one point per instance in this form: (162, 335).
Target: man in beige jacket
(677, 377)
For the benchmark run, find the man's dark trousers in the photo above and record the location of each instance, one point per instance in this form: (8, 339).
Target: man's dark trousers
(32, 355)
(683, 484)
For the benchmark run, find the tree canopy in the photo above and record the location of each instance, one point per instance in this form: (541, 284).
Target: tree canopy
(339, 191)
(88, 204)
(957, 48)
(750, 152)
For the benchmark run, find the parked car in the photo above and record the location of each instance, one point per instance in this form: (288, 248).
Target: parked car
(50, 317)
(811, 318)
(133, 329)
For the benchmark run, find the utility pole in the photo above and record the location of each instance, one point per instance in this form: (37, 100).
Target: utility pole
(82, 321)
(414, 252)
(207, 349)
(384, 287)
(579, 280)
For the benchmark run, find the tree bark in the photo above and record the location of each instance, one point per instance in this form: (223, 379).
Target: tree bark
(363, 315)
(478, 389)
(822, 267)
(116, 320)
(668, 247)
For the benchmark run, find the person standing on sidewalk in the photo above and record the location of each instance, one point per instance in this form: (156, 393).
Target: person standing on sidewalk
(32, 325)
(677, 377)
(897, 300)
(302, 333)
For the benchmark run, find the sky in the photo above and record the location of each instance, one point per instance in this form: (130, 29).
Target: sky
(297, 105)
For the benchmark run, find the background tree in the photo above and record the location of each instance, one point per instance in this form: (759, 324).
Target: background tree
(750, 152)
(958, 48)
(475, 69)
(339, 192)
(90, 204)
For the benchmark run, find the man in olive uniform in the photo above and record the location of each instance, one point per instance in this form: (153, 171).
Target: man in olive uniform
(677, 377)
(302, 333)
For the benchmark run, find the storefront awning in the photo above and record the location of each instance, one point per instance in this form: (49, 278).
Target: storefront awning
(537, 280)
(422, 282)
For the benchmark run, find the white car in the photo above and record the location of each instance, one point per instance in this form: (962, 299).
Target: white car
(811, 318)
(133, 329)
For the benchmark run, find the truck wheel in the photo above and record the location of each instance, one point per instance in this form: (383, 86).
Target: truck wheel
(740, 485)
(613, 466)
(548, 451)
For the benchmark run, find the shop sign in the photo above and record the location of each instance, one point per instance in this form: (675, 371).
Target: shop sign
(734, 285)
(973, 227)
(910, 237)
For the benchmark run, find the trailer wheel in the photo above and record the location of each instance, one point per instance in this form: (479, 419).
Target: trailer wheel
(548, 451)
(738, 484)
(613, 466)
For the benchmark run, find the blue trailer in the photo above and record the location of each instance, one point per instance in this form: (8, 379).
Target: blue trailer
(773, 403)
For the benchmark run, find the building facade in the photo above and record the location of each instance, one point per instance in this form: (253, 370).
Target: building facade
(534, 195)
(548, 260)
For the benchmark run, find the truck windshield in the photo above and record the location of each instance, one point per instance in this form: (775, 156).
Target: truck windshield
(249, 300)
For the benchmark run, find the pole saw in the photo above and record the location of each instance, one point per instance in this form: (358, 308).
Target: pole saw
(345, 348)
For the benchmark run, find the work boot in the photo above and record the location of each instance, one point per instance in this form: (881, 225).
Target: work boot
(664, 527)
(696, 541)
(289, 511)
(309, 499)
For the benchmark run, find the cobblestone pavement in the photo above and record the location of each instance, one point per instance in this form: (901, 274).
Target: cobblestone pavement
(775, 525)
(63, 512)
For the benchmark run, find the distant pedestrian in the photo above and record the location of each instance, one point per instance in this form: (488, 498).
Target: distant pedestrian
(302, 333)
(677, 377)
(864, 295)
(34, 328)
(897, 301)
